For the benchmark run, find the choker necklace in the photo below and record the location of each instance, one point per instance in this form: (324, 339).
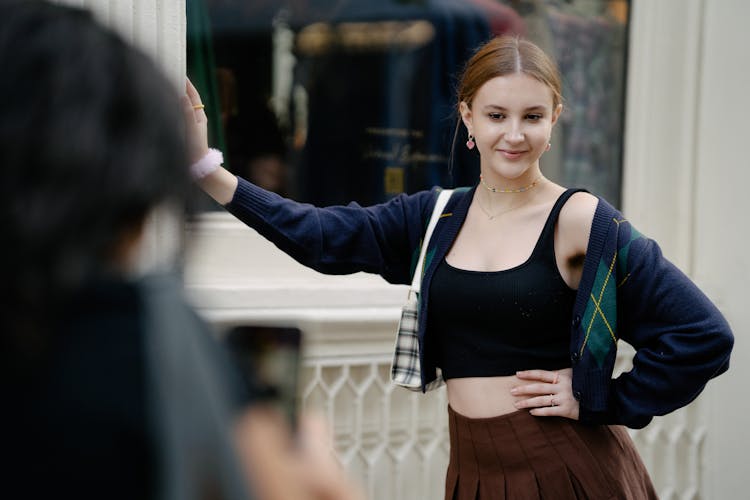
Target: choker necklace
(519, 190)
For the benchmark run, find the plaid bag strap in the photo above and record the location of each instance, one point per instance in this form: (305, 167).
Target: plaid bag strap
(437, 211)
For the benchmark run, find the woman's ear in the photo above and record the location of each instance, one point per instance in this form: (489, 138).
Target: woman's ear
(556, 113)
(466, 116)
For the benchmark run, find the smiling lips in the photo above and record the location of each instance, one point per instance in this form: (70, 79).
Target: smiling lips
(511, 154)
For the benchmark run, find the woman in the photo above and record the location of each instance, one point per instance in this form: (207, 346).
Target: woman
(528, 288)
(112, 386)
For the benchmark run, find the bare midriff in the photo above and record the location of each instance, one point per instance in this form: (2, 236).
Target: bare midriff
(482, 397)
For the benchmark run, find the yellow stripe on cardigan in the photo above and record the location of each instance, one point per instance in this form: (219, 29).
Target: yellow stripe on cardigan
(596, 304)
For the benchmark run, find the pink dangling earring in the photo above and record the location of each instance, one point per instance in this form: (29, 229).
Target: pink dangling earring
(470, 143)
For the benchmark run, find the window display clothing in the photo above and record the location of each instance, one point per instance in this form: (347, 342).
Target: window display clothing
(394, 110)
(628, 290)
(503, 19)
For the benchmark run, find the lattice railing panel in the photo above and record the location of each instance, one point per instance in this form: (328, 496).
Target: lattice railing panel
(393, 440)
(672, 449)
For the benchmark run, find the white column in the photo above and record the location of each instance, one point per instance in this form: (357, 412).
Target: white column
(721, 230)
(684, 185)
(662, 96)
(156, 26)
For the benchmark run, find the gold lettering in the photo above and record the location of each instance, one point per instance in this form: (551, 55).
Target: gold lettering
(403, 155)
(315, 39)
(394, 132)
(319, 38)
(382, 154)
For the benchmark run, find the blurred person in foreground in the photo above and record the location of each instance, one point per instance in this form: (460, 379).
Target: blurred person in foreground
(113, 387)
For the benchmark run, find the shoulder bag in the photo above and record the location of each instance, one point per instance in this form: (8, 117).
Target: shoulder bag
(405, 368)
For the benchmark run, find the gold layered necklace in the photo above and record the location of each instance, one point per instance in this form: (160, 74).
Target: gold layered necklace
(492, 216)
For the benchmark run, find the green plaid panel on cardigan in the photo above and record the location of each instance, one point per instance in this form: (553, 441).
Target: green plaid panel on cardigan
(600, 315)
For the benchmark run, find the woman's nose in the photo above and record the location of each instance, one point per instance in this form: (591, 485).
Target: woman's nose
(514, 133)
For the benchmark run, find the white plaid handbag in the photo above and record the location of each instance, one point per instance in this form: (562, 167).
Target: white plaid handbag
(405, 369)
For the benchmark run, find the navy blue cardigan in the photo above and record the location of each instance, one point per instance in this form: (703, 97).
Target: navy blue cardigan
(628, 290)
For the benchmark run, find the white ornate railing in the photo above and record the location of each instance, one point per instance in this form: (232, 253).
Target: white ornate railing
(671, 446)
(395, 442)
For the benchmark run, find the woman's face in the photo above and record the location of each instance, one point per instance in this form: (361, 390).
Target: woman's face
(511, 119)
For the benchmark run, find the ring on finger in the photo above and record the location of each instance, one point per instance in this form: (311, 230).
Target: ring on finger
(199, 106)
(552, 400)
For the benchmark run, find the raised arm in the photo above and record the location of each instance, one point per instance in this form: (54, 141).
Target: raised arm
(215, 180)
(378, 239)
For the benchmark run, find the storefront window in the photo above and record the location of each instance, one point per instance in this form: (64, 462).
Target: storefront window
(329, 101)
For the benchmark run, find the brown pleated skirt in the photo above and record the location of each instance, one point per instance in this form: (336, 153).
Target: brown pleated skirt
(518, 456)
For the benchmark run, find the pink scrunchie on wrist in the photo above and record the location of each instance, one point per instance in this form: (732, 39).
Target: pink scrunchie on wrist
(209, 163)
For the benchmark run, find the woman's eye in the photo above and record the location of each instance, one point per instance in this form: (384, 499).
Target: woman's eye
(496, 116)
(534, 117)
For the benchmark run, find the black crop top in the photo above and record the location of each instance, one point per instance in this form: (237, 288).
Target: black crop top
(486, 324)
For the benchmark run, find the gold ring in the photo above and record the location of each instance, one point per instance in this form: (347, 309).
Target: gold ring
(199, 106)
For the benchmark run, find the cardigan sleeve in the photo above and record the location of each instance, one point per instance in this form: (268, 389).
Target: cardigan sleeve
(377, 239)
(680, 337)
